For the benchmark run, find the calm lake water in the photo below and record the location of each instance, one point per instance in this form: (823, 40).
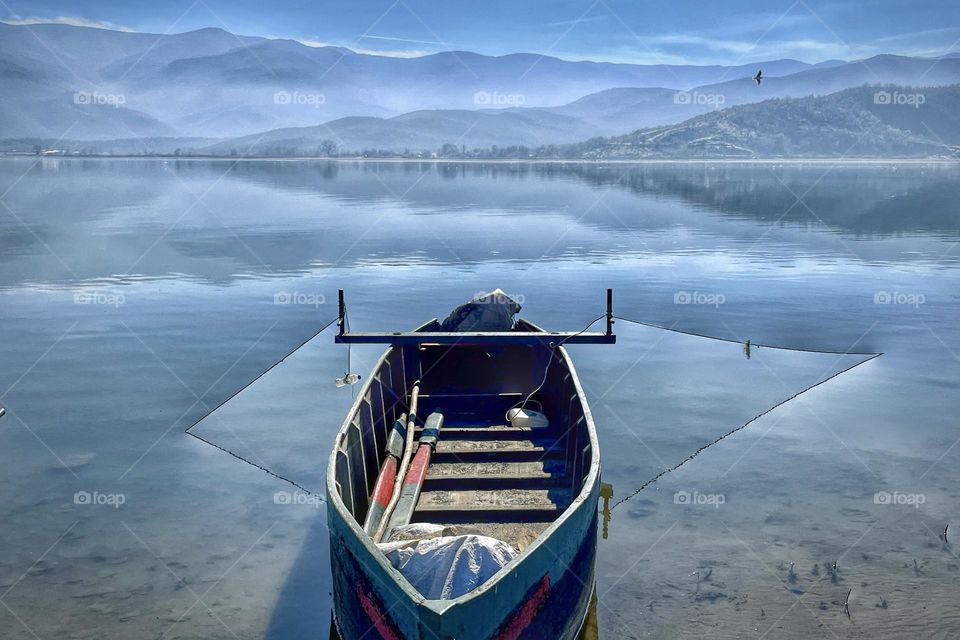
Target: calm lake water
(137, 295)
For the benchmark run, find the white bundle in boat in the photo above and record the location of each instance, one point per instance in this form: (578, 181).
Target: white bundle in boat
(444, 567)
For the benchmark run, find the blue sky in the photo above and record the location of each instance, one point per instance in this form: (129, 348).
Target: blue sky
(672, 31)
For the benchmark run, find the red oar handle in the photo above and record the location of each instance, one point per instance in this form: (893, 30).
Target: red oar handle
(382, 492)
(413, 481)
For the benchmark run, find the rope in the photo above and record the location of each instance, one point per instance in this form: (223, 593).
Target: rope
(523, 404)
(236, 393)
(262, 468)
(693, 455)
(752, 344)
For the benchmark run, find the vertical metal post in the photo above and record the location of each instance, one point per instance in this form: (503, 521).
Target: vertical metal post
(342, 311)
(609, 311)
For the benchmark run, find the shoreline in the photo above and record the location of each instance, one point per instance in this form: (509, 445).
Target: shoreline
(518, 161)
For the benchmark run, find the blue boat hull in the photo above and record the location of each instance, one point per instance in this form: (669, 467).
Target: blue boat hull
(544, 593)
(553, 607)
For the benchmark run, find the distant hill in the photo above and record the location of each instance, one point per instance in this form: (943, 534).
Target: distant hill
(210, 91)
(418, 131)
(884, 121)
(213, 83)
(607, 112)
(625, 109)
(74, 82)
(881, 121)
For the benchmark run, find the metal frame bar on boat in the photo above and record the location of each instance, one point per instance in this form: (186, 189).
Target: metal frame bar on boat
(476, 337)
(535, 490)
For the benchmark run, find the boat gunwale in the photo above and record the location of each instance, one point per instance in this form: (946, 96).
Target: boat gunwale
(440, 605)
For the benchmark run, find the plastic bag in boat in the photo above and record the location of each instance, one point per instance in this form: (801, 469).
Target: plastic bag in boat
(492, 311)
(446, 567)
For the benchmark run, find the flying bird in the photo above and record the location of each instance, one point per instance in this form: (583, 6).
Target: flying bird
(759, 77)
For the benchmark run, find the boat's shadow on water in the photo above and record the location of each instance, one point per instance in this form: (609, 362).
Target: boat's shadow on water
(302, 610)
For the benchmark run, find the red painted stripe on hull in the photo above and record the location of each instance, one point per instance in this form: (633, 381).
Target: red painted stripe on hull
(377, 619)
(523, 617)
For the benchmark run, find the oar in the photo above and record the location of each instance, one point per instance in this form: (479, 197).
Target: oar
(407, 453)
(413, 480)
(383, 489)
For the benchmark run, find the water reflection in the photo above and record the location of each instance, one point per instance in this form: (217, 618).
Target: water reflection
(218, 221)
(872, 201)
(99, 394)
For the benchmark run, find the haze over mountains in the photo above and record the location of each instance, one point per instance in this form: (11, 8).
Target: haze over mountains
(605, 113)
(212, 83)
(213, 91)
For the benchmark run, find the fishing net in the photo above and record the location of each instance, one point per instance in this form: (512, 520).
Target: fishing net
(660, 398)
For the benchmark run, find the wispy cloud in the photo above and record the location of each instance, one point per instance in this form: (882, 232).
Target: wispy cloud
(73, 21)
(570, 23)
(776, 48)
(389, 53)
(307, 42)
(900, 37)
(393, 39)
(695, 47)
(729, 38)
(699, 49)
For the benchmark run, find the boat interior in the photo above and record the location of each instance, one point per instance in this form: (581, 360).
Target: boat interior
(486, 476)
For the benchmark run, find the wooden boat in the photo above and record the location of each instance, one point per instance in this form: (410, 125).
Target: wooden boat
(535, 488)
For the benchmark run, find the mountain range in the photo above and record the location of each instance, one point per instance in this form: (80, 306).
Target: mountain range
(604, 113)
(211, 82)
(882, 121)
(211, 91)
